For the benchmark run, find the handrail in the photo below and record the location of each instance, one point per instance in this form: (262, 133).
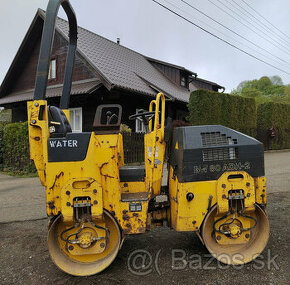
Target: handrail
(46, 47)
(156, 102)
(153, 102)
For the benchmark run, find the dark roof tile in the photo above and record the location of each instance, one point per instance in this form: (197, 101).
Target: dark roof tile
(123, 67)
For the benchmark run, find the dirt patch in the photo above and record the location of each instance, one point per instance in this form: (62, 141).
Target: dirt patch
(25, 259)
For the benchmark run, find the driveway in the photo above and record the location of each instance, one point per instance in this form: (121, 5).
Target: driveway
(277, 166)
(21, 199)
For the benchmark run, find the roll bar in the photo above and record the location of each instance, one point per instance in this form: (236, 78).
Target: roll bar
(45, 51)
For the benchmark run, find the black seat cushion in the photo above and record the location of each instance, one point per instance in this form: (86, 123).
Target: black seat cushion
(62, 126)
(132, 173)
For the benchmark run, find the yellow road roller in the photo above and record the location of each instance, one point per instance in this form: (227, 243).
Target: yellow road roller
(216, 185)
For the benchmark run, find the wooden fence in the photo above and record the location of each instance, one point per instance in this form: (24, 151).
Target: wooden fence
(133, 147)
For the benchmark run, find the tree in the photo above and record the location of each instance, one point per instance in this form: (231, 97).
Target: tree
(251, 92)
(276, 80)
(241, 86)
(265, 89)
(264, 83)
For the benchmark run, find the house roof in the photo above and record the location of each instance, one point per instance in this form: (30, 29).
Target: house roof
(172, 65)
(115, 65)
(209, 82)
(122, 67)
(78, 88)
(192, 74)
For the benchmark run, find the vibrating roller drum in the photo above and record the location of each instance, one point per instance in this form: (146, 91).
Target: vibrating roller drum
(84, 249)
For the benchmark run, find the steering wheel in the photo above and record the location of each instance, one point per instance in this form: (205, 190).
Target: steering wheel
(145, 116)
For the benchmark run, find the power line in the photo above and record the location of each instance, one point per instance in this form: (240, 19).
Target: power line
(285, 47)
(260, 23)
(266, 39)
(261, 31)
(219, 23)
(219, 38)
(266, 19)
(178, 8)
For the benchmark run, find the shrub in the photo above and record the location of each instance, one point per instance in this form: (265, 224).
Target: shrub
(213, 108)
(2, 125)
(5, 115)
(278, 116)
(16, 148)
(125, 129)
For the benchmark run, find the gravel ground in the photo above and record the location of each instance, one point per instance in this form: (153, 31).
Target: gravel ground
(25, 258)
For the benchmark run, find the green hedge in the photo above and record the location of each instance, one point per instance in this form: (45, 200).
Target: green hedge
(5, 115)
(16, 149)
(213, 108)
(2, 125)
(278, 116)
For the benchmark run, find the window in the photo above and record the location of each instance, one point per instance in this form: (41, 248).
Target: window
(139, 127)
(76, 119)
(52, 69)
(184, 80)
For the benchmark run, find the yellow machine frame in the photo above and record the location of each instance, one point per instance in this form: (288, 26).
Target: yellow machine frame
(97, 176)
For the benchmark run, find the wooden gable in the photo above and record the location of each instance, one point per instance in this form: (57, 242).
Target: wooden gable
(23, 72)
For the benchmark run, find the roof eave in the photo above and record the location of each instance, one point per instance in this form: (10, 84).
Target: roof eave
(171, 65)
(209, 82)
(152, 95)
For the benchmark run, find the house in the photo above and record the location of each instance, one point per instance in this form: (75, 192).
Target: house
(105, 72)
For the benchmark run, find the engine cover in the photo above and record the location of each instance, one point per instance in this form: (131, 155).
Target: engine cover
(202, 153)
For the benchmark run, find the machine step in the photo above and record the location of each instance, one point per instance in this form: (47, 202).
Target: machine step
(134, 197)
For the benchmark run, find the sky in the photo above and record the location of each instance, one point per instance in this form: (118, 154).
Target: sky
(149, 29)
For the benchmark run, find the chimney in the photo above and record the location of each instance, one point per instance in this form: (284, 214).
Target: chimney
(118, 41)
